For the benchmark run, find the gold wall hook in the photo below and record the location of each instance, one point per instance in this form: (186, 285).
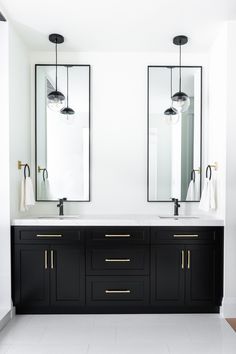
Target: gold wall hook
(20, 164)
(198, 170)
(214, 165)
(40, 169)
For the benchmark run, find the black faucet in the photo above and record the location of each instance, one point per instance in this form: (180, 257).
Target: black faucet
(60, 205)
(176, 206)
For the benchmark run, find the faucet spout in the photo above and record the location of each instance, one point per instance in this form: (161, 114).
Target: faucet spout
(61, 206)
(176, 206)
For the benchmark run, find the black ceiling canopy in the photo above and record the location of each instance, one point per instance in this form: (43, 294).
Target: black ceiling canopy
(2, 18)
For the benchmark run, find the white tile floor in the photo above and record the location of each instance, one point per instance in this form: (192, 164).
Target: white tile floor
(118, 334)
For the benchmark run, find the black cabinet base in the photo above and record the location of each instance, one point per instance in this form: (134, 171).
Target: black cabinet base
(116, 310)
(117, 270)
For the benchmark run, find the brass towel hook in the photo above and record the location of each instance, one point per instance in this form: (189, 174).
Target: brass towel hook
(25, 165)
(193, 173)
(45, 172)
(214, 165)
(40, 169)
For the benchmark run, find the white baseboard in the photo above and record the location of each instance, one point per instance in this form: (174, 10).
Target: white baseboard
(5, 319)
(229, 307)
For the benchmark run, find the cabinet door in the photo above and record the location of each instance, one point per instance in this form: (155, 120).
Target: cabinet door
(167, 275)
(200, 275)
(67, 275)
(31, 275)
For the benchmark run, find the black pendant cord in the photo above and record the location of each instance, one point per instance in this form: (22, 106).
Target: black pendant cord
(171, 83)
(180, 79)
(56, 64)
(67, 85)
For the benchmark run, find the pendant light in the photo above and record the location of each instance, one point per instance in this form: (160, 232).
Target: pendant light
(67, 110)
(56, 99)
(181, 101)
(171, 114)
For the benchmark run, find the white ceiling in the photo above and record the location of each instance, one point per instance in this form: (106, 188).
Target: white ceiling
(119, 25)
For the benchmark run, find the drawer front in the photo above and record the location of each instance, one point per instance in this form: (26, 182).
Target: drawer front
(117, 290)
(182, 235)
(46, 235)
(117, 261)
(112, 235)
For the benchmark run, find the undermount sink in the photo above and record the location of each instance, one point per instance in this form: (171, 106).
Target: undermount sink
(176, 217)
(58, 217)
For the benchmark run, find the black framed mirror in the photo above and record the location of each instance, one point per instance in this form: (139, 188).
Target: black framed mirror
(174, 142)
(62, 134)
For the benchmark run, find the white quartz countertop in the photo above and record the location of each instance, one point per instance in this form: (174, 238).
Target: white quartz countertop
(118, 220)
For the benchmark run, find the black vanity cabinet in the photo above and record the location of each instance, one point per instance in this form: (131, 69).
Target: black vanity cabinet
(187, 269)
(117, 269)
(48, 270)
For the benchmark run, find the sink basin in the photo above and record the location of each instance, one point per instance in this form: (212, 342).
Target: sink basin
(59, 217)
(178, 217)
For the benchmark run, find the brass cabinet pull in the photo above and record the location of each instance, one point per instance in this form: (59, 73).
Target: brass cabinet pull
(126, 291)
(189, 257)
(117, 259)
(193, 236)
(117, 235)
(45, 259)
(48, 235)
(52, 259)
(182, 259)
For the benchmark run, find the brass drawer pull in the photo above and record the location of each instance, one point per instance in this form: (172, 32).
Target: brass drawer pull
(118, 235)
(48, 235)
(117, 260)
(182, 259)
(189, 258)
(52, 259)
(117, 291)
(45, 259)
(193, 236)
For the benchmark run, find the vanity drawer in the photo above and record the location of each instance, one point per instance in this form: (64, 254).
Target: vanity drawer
(46, 235)
(117, 290)
(111, 235)
(117, 261)
(182, 235)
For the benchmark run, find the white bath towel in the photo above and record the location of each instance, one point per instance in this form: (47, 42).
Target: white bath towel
(27, 194)
(208, 198)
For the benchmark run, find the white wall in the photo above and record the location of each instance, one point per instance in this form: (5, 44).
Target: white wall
(230, 217)
(5, 270)
(19, 81)
(118, 131)
(218, 76)
(222, 148)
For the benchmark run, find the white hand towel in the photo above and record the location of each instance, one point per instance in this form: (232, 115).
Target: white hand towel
(27, 194)
(212, 194)
(22, 195)
(191, 191)
(208, 198)
(204, 202)
(197, 187)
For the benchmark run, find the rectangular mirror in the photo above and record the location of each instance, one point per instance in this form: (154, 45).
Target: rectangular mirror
(174, 145)
(62, 141)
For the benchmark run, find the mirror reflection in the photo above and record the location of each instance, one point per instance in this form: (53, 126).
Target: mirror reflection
(174, 137)
(62, 135)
